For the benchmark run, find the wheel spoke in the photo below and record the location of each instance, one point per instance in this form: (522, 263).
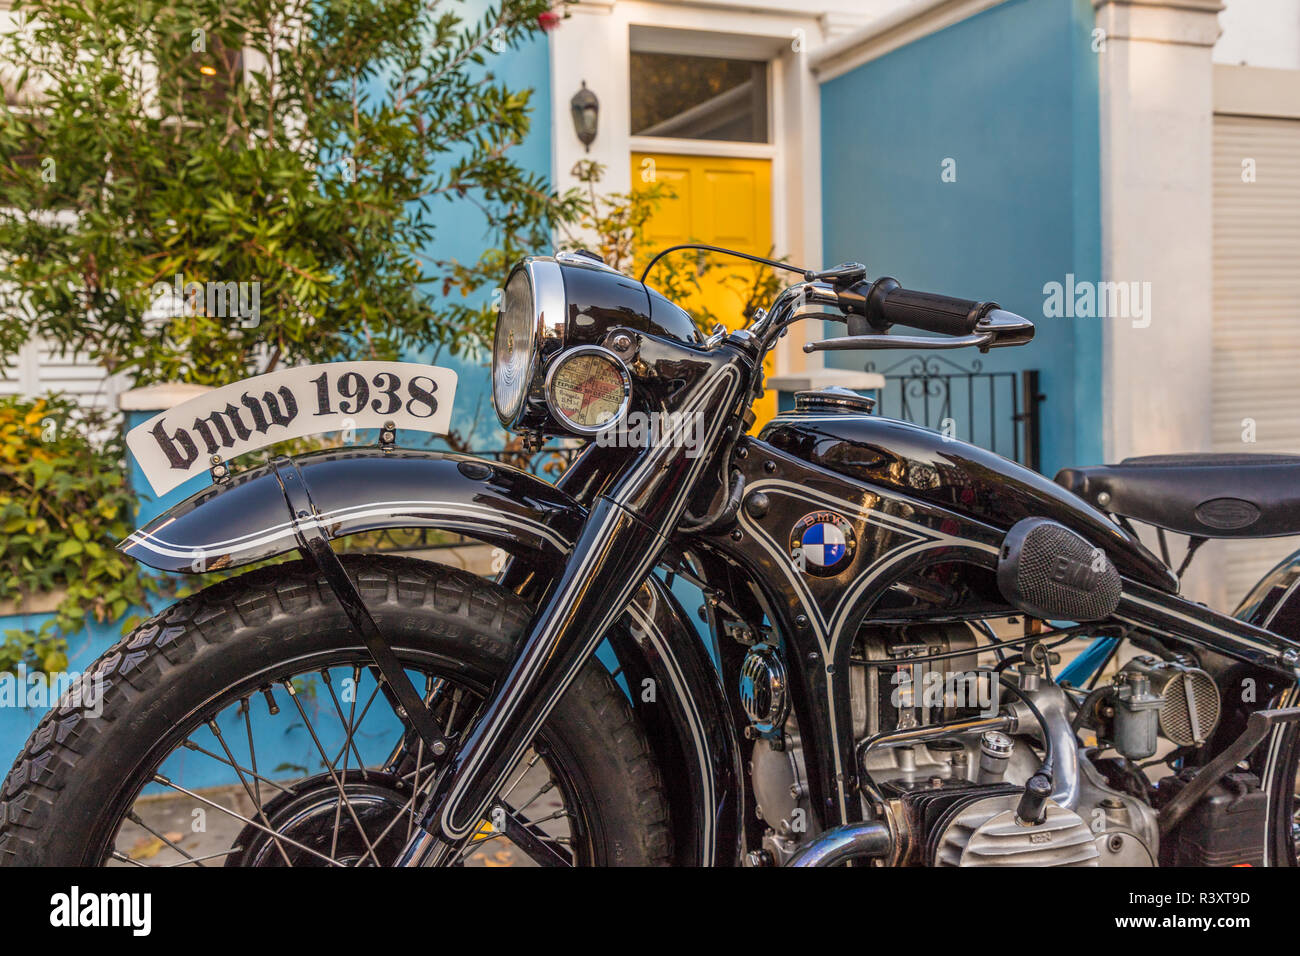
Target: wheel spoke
(331, 817)
(135, 818)
(364, 710)
(415, 787)
(523, 773)
(451, 717)
(246, 707)
(407, 811)
(528, 837)
(348, 745)
(343, 794)
(349, 728)
(257, 803)
(233, 765)
(160, 779)
(545, 788)
(211, 856)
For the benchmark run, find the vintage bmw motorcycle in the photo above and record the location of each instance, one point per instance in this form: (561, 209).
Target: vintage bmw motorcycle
(885, 606)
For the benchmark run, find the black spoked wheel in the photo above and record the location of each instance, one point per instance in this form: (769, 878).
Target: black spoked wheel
(358, 807)
(244, 727)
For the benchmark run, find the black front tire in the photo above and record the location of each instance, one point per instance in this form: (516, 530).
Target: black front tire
(73, 783)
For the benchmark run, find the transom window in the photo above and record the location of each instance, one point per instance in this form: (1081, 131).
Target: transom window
(698, 97)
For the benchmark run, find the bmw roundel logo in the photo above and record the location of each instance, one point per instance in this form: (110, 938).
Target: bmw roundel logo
(822, 543)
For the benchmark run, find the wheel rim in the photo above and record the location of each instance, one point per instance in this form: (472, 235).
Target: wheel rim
(354, 804)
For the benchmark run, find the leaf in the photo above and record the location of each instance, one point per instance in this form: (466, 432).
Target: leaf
(146, 848)
(68, 548)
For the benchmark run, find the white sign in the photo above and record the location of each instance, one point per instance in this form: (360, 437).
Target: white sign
(235, 419)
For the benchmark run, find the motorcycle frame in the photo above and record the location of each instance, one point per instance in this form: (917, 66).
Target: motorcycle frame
(818, 618)
(619, 522)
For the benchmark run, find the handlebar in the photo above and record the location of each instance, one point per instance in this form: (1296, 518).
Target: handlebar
(872, 308)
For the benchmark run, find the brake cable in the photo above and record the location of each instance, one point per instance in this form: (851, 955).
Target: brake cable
(806, 273)
(725, 510)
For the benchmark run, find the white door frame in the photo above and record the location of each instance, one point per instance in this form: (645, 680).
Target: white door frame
(594, 45)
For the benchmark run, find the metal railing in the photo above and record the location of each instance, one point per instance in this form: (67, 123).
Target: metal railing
(995, 410)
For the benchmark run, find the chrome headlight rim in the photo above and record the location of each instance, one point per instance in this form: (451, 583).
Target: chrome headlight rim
(568, 424)
(546, 285)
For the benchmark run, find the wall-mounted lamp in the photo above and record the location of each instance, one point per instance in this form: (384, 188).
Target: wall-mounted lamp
(586, 113)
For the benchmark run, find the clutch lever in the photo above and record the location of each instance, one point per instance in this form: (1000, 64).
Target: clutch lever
(996, 329)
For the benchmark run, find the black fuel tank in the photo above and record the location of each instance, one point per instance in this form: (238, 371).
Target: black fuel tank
(953, 474)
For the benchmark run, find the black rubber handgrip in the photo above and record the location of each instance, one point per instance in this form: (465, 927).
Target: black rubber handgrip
(930, 312)
(872, 307)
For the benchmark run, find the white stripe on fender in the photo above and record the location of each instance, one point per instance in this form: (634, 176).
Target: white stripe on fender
(453, 509)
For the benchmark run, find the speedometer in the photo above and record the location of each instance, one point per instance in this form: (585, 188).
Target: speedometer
(587, 389)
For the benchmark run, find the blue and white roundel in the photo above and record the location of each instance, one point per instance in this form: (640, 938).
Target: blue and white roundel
(824, 545)
(821, 542)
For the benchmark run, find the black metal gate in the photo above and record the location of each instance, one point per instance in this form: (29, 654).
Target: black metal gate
(995, 410)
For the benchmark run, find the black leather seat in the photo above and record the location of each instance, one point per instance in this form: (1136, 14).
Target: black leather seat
(1211, 496)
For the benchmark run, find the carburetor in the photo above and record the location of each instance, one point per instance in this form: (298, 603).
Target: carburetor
(1150, 698)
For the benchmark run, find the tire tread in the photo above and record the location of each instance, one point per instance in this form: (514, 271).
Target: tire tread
(66, 746)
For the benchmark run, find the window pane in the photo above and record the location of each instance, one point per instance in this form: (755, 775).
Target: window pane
(699, 97)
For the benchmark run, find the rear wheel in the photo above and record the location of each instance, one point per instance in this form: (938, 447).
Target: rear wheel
(1281, 780)
(243, 726)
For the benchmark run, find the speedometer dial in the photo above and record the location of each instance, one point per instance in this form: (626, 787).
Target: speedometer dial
(587, 389)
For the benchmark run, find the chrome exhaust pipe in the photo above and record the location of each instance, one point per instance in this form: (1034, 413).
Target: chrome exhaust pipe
(845, 842)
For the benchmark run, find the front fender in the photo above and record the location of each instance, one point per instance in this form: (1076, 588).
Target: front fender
(246, 519)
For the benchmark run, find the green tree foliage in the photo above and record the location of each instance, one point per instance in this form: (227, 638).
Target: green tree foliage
(308, 147)
(64, 503)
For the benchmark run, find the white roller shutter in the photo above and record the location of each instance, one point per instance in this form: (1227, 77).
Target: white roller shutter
(1256, 309)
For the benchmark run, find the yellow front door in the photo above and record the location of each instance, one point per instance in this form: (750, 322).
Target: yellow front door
(722, 202)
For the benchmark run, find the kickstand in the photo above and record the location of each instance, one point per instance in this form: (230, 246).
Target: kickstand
(314, 544)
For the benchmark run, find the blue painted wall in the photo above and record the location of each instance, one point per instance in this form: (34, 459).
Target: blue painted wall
(1011, 96)
(17, 722)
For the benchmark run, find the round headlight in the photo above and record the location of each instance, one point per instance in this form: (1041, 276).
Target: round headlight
(531, 320)
(513, 348)
(588, 389)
